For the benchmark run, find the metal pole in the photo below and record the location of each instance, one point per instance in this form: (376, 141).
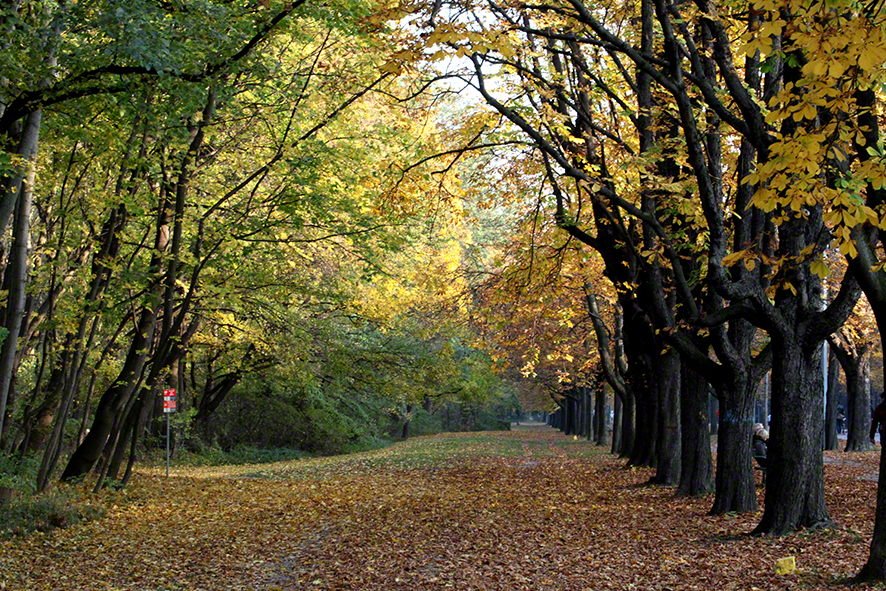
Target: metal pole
(167, 445)
(824, 373)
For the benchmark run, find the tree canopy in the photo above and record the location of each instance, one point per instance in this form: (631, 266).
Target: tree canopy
(381, 218)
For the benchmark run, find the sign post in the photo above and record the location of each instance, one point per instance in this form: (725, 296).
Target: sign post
(168, 407)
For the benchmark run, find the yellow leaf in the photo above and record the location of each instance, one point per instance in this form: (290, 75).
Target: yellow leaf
(820, 269)
(391, 68)
(785, 566)
(731, 259)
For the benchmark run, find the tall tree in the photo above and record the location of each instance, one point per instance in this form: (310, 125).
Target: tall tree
(776, 287)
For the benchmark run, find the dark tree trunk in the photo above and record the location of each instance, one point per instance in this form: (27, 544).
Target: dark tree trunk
(628, 426)
(406, 421)
(114, 400)
(617, 429)
(646, 434)
(875, 568)
(583, 408)
(697, 475)
(16, 271)
(855, 362)
(600, 418)
(714, 414)
(667, 387)
(734, 480)
(566, 415)
(874, 285)
(795, 473)
(858, 397)
(646, 420)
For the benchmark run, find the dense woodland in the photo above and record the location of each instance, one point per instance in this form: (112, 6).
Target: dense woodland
(329, 225)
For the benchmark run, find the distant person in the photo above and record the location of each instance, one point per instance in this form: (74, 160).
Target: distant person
(878, 424)
(841, 419)
(761, 444)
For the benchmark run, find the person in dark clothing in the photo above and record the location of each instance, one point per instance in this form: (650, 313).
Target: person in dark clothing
(761, 438)
(878, 424)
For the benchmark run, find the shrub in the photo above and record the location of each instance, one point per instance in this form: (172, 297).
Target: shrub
(58, 508)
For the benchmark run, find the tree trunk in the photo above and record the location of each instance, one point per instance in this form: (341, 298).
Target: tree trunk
(617, 429)
(646, 419)
(114, 399)
(714, 414)
(404, 434)
(581, 412)
(858, 398)
(875, 568)
(795, 473)
(669, 446)
(734, 480)
(17, 270)
(855, 362)
(600, 418)
(697, 475)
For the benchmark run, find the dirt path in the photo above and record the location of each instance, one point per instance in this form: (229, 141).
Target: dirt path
(529, 509)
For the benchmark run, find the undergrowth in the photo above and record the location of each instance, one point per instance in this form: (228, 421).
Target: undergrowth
(60, 507)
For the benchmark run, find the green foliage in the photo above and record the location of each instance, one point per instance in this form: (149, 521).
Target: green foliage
(58, 508)
(182, 423)
(17, 473)
(263, 413)
(287, 221)
(239, 454)
(422, 423)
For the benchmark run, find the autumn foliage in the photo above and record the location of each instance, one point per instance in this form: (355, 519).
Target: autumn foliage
(526, 509)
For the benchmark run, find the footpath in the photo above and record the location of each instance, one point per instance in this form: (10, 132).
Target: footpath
(529, 509)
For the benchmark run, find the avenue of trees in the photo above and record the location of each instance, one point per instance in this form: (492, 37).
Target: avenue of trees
(318, 221)
(722, 164)
(211, 198)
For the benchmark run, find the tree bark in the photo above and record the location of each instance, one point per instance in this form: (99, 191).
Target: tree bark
(734, 480)
(697, 475)
(795, 474)
(875, 567)
(669, 465)
(617, 419)
(855, 362)
(600, 418)
(114, 399)
(17, 270)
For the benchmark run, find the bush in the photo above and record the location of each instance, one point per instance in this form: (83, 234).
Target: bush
(258, 416)
(204, 455)
(19, 473)
(59, 508)
(421, 423)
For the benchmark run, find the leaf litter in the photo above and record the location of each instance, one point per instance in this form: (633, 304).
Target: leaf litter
(526, 509)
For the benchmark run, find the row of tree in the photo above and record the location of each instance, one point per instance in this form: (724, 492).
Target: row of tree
(714, 157)
(211, 197)
(195, 195)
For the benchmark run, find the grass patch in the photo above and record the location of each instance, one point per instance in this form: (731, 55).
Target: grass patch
(214, 456)
(58, 508)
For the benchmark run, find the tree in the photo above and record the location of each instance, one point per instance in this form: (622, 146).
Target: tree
(99, 57)
(243, 226)
(776, 287)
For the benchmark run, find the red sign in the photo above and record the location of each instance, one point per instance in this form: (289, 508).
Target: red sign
(169, 400)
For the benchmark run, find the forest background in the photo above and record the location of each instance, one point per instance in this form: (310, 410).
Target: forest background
(329, 225)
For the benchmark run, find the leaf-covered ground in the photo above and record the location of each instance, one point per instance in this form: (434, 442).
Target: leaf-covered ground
(529, 509)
